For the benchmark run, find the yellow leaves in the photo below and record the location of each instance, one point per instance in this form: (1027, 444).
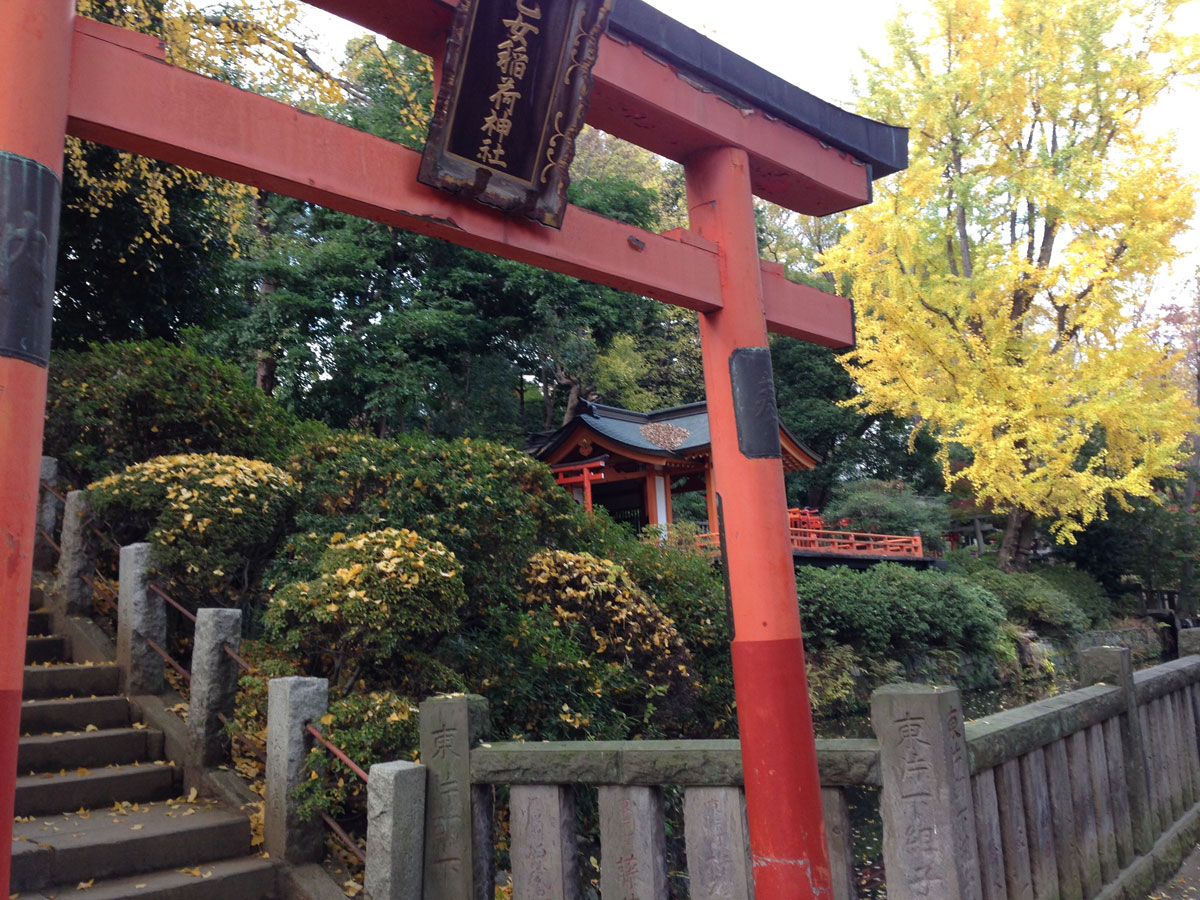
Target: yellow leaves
(1019, 344)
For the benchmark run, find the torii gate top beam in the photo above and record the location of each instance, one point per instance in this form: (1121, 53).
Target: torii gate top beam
(189, 120)
(805, 154)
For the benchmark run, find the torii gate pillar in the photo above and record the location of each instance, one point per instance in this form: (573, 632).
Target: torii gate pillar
(35, 62)
(779, 759)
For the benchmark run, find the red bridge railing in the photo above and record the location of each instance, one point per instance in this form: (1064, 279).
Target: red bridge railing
(807, 533)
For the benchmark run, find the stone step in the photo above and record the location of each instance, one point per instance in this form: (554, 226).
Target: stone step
(45, 648)
(245, 878)
(40, 622)
(93, 749)
(69, 680)
(39, 795)
(68, 849)
(74, 714)
(37, 596)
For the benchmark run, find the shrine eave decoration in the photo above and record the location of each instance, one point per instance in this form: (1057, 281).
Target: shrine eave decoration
(513, 98)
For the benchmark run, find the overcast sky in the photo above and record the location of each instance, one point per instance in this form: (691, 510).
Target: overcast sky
(818, 46)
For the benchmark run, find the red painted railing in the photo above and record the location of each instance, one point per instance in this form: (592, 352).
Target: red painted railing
(808, 534)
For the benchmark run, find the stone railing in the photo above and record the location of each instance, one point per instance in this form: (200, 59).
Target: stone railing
(1092, 794)
(629, 777)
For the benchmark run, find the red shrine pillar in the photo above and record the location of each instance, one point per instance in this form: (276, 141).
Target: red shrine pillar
(779, 758)
(35, 59)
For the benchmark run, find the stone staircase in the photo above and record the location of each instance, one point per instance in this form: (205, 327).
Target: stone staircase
(99, 811)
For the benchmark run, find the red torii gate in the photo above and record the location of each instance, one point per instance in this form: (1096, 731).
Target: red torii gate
(736, 129)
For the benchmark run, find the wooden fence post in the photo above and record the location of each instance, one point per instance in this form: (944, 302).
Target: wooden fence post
(633, 852)
(929, 844)
(718, 851)
(543, 847)
(458, 816)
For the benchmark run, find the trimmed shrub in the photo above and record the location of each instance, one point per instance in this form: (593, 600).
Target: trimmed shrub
(373, 727)
(213, 521)
(1085, 591)
(891, 608)
(595, 602)
(889, 507)
(1033, 602)
(492, 506)
(686, 585)
(125, 403)
(379, 604)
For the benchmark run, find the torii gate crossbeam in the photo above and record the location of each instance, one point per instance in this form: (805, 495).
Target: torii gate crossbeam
(658, 85)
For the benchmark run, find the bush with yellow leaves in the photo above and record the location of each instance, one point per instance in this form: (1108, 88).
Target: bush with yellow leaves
(380, 602)
(212, 520)
(597, 604)
(491, 505)
(374, 727)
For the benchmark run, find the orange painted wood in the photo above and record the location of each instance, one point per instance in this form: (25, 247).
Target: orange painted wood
(783, 790)
(34, 37)
(35, 54)
(124, 99)
(123, 96)
(641, 99)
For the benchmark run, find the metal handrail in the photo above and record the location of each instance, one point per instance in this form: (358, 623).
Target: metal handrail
(242, 664)
(345, 838)
(257, 749)
(336, 751)
(45, 485)
(175, 603)
(169, 660)
(49, 539)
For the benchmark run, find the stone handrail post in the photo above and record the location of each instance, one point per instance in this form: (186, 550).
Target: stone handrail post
(929, 844)
(1189, 641)
(214, 683)
(1114, 665)
(48, 508)
(458, 817)
(292, 703)
(141, 616)
(80, 547)
(395, 831)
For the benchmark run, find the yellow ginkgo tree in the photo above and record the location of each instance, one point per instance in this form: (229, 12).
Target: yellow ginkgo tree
(994, 279)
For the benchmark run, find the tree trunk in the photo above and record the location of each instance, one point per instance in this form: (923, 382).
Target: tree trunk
(1018, 541)
(548, 386)
(1187, 569)
(265, 377)
(572, 402)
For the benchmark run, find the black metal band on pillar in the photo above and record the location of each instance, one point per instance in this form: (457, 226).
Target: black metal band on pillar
(29, 215)
(754, 403)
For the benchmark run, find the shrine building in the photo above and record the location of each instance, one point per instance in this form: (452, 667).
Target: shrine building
(633, 463)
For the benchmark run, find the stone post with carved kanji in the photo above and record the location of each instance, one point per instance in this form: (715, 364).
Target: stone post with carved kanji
(458, 817)
(929, 845)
